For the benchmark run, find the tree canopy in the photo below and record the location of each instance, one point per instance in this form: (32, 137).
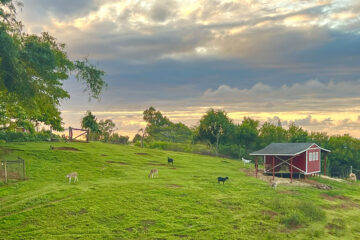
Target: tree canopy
(32, 71)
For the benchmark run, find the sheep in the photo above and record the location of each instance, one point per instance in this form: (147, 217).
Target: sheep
(221, 179)
(170, 160)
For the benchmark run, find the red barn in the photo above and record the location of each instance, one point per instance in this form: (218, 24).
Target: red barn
(300, 158)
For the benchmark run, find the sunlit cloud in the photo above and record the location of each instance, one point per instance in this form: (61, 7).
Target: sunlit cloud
(288, 59)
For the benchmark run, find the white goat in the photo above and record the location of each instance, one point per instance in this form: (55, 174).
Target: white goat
(72, 175)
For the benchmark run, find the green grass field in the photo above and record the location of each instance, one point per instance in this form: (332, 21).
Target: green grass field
(115, 199)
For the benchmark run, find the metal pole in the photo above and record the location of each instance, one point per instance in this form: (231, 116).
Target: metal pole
(256, 165)
(273, 167)
(350, 169)
(291, 170)
(325, 164)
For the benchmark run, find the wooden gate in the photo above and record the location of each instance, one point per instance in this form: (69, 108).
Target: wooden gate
(83, 132)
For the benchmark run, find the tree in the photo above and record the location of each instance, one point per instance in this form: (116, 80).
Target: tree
(297, 134)
(214, 126)
(32, 71)
(142, 132)
(89, 122)
(106, 128)
(161, 128)
(270, 133)
(115, 138)
(246, 134)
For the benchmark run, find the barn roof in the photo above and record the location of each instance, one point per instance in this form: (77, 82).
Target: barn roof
(285, 149)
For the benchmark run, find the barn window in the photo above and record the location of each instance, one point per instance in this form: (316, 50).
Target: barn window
(314, 156)
(317, 155)
(310, 156)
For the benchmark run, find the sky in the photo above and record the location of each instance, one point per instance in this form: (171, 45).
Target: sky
(293, 60)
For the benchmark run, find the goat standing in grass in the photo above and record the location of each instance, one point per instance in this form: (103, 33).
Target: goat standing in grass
(153, 172)
(72, 175)
(273, 184)
(221, 179)
(170, 160)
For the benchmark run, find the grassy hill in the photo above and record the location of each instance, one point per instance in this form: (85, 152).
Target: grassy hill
(115, 199)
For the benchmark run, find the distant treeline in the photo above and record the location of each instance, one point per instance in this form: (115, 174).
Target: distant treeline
(223, 136)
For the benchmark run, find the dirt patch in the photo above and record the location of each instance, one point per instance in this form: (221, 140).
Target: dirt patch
(174, 186)
(75, 213)
(172, 168)
(65, 148)
(104, 155)
(334, 198)
(141, 153)
(181, 235)
(156, 164)
(270, 213)
(121, 163)
(278, 180)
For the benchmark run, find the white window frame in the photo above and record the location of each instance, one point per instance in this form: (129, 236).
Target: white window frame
(310, 156)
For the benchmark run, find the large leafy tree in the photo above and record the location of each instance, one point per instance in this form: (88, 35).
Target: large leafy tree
(32, 71)
(160, 128)
(214, 126)
(106, 128)
(89, 121)
(246, 133)
(270, 133)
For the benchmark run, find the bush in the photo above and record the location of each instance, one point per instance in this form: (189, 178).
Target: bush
(9, 136)
(2, 141)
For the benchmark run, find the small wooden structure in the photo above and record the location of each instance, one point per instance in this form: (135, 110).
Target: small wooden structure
(82, 133)
(12, 169)
(300, 158)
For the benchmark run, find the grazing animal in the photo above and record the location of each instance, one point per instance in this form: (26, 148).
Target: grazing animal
(153, 172)
(170, 160)
(273, 184)
(352, 177)
(72, 175)
(221, 179)
(245, 160)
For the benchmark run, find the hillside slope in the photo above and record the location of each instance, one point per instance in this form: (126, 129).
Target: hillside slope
(115, 199)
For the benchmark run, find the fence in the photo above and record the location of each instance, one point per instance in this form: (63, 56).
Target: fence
(12, 169)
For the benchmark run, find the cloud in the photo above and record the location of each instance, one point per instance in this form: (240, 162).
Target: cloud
(312, 95)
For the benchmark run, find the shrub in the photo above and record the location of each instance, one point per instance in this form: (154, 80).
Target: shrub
(9, 136)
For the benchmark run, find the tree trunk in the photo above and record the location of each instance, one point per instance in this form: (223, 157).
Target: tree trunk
(142, 141)
(217, 145)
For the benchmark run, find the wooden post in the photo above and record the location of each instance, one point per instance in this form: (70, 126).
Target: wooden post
(256, 165)
(87, 135)
(291, 170)
(325, 155)
(70, 134)
(5, 170)
(273, 166)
